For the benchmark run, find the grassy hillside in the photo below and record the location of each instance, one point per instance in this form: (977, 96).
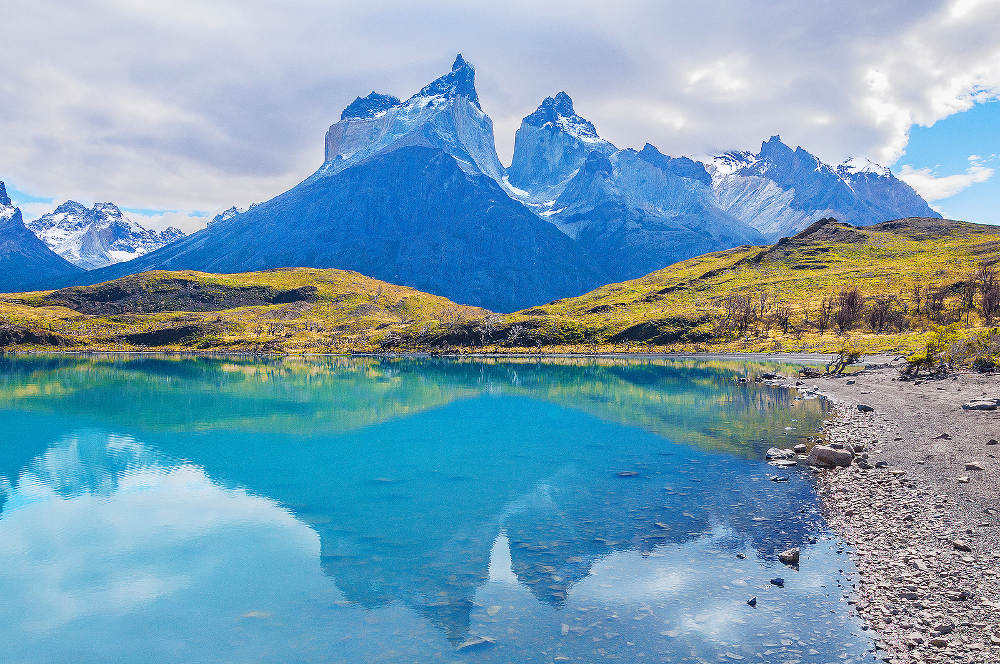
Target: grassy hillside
(284, 310)
(876, 288)
(911, 276)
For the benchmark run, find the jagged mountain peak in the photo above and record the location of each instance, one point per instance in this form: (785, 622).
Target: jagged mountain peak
(445, 115)
(226, 214)
(680, 166)
(557, 113)
(70, 206)
(4, 198)
(108, 208)
(774, 147)
(552, 143)
(369, 106)
(459, 82)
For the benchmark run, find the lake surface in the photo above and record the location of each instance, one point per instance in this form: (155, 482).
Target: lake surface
(168, 509)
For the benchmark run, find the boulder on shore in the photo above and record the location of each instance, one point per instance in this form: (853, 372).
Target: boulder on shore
(981, 404)
(826, 456)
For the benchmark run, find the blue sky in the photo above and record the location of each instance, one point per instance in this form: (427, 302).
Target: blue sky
(177, 109)
(945, 149)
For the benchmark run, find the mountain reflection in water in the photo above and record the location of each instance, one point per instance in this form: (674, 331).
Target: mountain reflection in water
(399, 510)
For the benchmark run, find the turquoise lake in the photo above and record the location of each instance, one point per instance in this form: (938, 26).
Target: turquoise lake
(177, 509)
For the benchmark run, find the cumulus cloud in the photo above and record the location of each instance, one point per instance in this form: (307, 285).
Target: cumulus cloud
(195, 106)
(937, 187)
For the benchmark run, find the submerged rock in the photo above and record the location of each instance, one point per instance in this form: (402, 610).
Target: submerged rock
(779, 453)
(476, 643)
(790, 557)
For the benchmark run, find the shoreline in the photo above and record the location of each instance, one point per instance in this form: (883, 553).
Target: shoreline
(786, 357)
(923, 521)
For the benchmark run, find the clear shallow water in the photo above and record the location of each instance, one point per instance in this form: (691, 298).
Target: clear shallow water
(360, 510)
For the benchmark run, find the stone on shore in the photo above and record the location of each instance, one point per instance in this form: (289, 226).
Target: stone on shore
(824, 455)
(865, 408)
(961, 545)
(981, 404)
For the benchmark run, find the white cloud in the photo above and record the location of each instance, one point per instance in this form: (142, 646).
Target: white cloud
(938, 187)
(185, 105)
(186, 221)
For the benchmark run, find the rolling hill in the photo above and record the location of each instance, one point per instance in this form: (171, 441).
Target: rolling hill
(881, 287)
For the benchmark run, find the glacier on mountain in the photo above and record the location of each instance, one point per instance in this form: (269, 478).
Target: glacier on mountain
(98, 236)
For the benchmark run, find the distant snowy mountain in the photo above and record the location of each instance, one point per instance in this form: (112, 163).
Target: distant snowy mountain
(99, 236)
(780, 191)
(26, 263)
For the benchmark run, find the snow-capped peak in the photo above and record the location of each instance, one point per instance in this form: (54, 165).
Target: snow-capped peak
(855, 165)
(445, 114)
(459, 82)
(7, 209)
(557, 112)
(98, 236)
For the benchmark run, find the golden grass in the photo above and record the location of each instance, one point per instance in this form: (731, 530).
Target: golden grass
(354, 313)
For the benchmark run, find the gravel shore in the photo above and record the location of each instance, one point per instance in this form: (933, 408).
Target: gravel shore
(922, 516)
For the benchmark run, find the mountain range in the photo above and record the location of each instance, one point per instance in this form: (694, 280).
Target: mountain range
(99, 236)
(412, 191)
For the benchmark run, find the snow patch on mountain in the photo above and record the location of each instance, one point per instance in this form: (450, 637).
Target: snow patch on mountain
(854, 165)
(99, 236)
